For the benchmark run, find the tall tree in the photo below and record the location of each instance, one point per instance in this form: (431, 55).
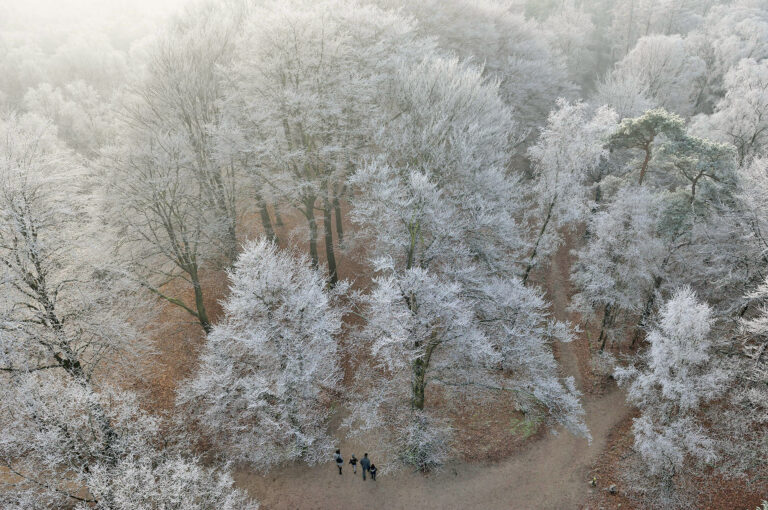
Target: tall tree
(302, 94)
(270, 367)
(532, 75)
(436, 206)
(178, 94)
(667, 69)
(623, 258)
(741, 117)
(568, 149)
(679, 375)
(641, 132)
(165, 236)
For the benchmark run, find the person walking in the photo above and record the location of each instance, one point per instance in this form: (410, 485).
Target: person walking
(373, 470)
(365, 463)
(353, 462)
(338, 459)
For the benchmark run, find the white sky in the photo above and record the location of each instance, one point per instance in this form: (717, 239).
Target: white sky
(32, 15)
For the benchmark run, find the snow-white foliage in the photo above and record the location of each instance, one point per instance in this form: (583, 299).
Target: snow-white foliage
(445, 122)
(62, 443)
(512, 49)
(617, 267)
(753, 192)
(302, 99)
(731, 32)
(518, 321)
(570, 31)
(78, 111)
(665, 69)
(424, 443)
(270, 366)
(678, 374)
(569, 148)
(175, 95)
(743, 427)
(60, 305)
(626, 95)
(634, 19)
(165, 481)
(741, 116)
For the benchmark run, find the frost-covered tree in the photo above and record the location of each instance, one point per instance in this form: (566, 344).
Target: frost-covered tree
(80, 114)
(303, 96)
(699, 162)
(641, 132)
(679, 375)
(743, 425)
(633, 19)
(570, 146)
(571, 32)
(622, 260)
(436, 206)
(65, 430)
(177, 94)
(741, 117)
(512, 49)
(665, 69)
(753, 191)
(627, 96)
(270, 367)
(164, 235)
(58, 305)
(731, 31)
(57, 451)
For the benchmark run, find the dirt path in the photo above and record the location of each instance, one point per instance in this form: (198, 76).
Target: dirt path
(549, 473)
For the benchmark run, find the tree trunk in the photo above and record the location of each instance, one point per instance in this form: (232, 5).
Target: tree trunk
(337, 215)
(309, 213)
(420, 368)
(278, 216)
(419, 383)
(606, 322)
(329, 253)
(231, 243)
(538, 240)
(266, 221)
(202, 314)
(646, 310)
(644, 168)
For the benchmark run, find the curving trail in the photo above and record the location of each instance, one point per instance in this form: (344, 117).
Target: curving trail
(551, 473)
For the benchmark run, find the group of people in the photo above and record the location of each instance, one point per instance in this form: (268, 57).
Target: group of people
(365, 464)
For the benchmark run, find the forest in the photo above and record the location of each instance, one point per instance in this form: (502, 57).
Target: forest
(515, 249)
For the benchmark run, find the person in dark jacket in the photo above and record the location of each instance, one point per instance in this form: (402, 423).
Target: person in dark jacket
(338, 459)
(365, 463)
(373, 470)
(353, 462)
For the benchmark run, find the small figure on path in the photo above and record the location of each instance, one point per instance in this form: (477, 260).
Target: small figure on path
(353, 462)
(365, 463)
(339, 460)
(373, 470)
